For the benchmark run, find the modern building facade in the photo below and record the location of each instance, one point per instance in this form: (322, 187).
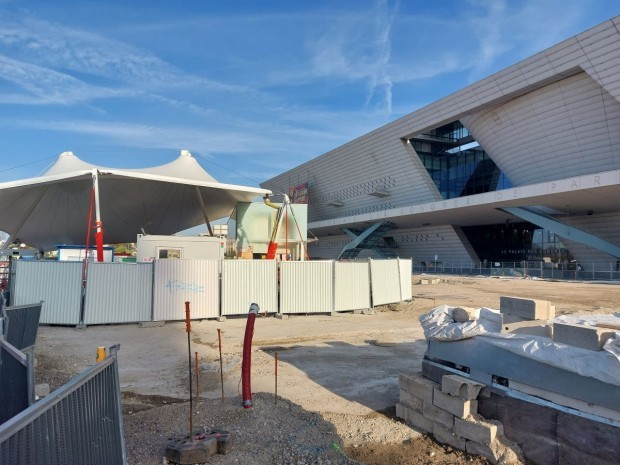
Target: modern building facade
(523, 165)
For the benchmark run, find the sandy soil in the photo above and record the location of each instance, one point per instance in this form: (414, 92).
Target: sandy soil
(337, 375)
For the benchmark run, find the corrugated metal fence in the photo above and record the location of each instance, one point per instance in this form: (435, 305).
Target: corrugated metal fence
(59, 284)
(178, 281)
(351, 286)
(81, 423)
(385, 281)
(118, 293)
(249, 281)
(125, 292)
(306, 287)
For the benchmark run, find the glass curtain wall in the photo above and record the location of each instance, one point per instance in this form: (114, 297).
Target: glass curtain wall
(456, 163)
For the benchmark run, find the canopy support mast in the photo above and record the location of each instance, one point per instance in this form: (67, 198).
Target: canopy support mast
(98, 223)
(204, 210)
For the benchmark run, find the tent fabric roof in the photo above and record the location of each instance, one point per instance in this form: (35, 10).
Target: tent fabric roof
(53, 208)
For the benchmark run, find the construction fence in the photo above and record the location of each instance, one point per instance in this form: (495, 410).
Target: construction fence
(81, 423)
(134, 292)
(19, 326)
(572, 271)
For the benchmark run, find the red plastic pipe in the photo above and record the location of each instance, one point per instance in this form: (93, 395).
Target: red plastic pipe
(246, 363)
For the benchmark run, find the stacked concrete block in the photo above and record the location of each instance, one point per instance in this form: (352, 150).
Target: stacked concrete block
(527, 309)
(586, 337)
(449, 412)
(416, 392)
(526, 316)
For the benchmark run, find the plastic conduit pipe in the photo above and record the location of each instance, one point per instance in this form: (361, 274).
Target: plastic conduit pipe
(246, 363)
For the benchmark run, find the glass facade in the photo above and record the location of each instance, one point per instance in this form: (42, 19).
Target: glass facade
(456, 163)
(513, 242)
(459, 167)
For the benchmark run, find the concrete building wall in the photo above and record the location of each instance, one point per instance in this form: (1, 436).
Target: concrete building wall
(420, 244)
(605, 226)
(349, 175)
(561, 130)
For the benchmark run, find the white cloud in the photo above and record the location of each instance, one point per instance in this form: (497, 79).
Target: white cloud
(58, 46)
(347, 51)
(45, 86)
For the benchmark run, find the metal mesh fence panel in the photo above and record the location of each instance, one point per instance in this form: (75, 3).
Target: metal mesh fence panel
(79, 423)
(13, 383)
(22, 325)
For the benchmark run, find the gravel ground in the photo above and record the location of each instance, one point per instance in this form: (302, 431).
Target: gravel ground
(282, 433)
(268, 433)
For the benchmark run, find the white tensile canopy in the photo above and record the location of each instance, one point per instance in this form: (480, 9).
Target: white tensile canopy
(53, 208)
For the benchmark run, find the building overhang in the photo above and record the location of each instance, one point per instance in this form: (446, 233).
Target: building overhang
(595, 193)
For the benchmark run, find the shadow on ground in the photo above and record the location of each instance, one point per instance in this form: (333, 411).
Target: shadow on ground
(366, 374)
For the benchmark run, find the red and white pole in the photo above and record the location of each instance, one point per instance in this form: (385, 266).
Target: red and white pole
(98, 223)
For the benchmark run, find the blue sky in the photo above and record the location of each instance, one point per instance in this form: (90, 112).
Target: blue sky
(252, 88)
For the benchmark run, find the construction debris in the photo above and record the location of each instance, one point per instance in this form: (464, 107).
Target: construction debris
(501, 364)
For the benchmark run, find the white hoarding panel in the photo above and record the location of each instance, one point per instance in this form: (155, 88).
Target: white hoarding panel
(385, 281)
(306, 287)
(406, 268)
(118, 293)
(352, 286)
(178, 281)
(59, 284)
(249, 281)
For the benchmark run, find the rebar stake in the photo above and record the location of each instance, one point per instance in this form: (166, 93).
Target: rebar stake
(219, 338)
(188, 329)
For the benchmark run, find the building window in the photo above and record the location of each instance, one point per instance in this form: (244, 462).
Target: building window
(456, 162)
(169, 253)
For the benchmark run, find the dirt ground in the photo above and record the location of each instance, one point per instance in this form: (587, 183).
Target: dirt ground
(337, 381)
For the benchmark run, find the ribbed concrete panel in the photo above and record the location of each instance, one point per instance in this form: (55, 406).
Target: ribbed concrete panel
(388, 164)
(306, 287)
(559, 131)
(385, 282)
(118, 293)
(178, 281)
(249, 281)
(421, 244)
(405, 271)
(606, 227)
(352, 285)
(59, 284)
(327, 248)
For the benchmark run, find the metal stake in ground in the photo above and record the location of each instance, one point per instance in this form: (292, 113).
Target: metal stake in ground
(219, 339)
(197, 377)
(188, 329)
(276, 393)
(200, 445)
